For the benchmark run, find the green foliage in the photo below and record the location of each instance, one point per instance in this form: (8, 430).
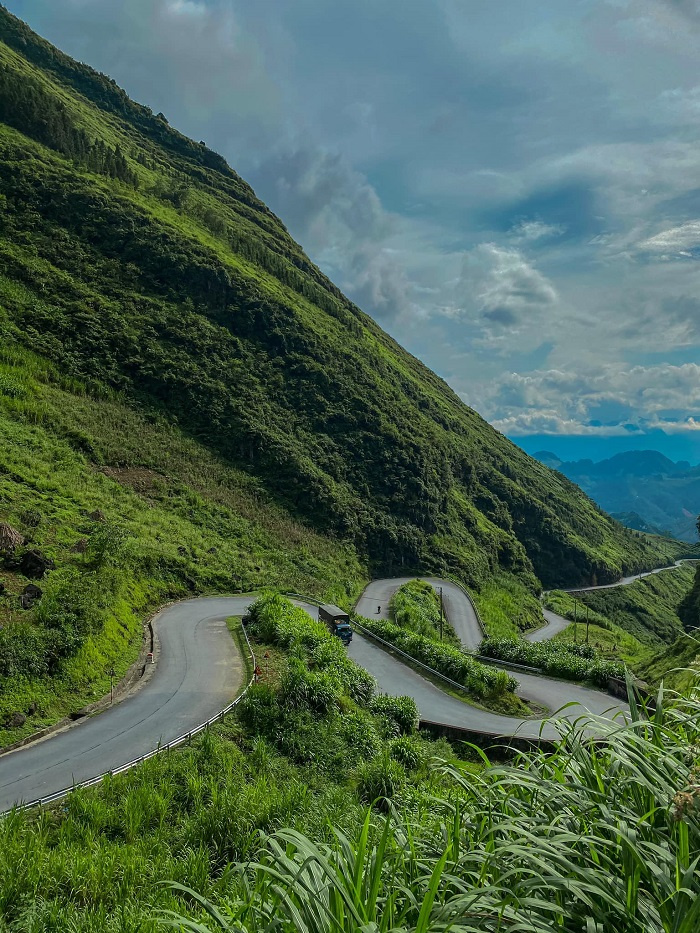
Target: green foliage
(302, 688)
(175, 522)
(144, 267)
(479, 679)
(400, 713)
(595, 837)
(689, 606)
(507, 607)
(648, 608)
(416, 607)
(572, 662)
(277, 620)
(678, 666)
(380, 781)
(406, 751)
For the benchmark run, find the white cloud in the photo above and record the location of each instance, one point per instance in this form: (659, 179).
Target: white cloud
(681, 241)
(609, 401)
(530, 230)
(503, 286)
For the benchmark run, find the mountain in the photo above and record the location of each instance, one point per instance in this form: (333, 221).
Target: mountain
(147, 272)
(643, 489)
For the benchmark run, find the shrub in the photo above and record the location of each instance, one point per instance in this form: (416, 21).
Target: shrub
(416, 607)
(406, 751)
(571, 662)
(277, 620)
(360, 734)
(258, 710)
(301, 688)
(479, 679)
(402, 712)
(380, 780)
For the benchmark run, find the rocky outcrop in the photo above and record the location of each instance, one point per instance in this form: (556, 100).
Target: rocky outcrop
(32, 564)
(10, 539)
(30, 594)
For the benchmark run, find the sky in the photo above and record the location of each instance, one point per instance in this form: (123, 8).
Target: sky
(511, 188)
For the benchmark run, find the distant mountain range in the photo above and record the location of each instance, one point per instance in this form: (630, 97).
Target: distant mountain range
(642, 489)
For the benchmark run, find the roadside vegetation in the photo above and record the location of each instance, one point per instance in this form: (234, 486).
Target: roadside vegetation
(609, 641)
(311, 748)
(647, 608)
(416, 608)
(507, 607)
(489, 686)
(595, 837)
(677, 667)
(265, 839)
(558, 659)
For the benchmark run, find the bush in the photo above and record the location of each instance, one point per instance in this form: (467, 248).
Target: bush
(258, 710)
(360, 734)
(277, 620)
(479, 679)
(571, 662)
(301, 688)
(406, 751)
(416, 607)
(380, 781)
(401, 712)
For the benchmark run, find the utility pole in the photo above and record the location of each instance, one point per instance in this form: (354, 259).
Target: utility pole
(442, 613)
(112, 674)
(575, 620)
(587, 623)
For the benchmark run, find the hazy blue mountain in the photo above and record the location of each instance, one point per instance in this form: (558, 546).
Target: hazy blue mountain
(643, 489)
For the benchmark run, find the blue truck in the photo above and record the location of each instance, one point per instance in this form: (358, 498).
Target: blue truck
(337, 620)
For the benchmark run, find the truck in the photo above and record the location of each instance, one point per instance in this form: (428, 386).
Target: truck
(337, 621)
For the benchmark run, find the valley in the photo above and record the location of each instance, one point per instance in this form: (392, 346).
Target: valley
(195, 421)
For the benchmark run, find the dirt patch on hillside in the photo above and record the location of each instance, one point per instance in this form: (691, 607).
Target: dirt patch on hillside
(144, 482)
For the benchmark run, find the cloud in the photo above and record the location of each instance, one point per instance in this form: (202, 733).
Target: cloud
(503, 286)
(609, 401)
(676, 242)
(530, 230)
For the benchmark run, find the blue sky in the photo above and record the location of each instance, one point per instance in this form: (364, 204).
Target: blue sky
(511, 188)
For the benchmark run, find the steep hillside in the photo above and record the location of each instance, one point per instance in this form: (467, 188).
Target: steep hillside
(642, 488)
(140, 263)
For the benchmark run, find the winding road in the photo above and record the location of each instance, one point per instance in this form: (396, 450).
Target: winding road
(199, 670)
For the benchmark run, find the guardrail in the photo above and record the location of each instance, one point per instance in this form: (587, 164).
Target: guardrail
(180, 740)
(368, 633)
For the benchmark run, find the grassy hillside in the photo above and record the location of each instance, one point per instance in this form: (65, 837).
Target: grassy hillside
(132, 513)
(647, 608)
(138, 260)
(188, 404)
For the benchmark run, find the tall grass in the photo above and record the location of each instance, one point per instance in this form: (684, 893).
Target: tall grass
(600, 836)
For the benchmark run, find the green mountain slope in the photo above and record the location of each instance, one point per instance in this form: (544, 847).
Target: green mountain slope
(139, 263)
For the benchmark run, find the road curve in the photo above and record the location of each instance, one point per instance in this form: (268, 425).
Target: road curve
(199, 671)
(395, 678)
(556, 623)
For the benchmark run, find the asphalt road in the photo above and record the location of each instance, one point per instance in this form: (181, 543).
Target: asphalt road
(199, 671)
(395, 678)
